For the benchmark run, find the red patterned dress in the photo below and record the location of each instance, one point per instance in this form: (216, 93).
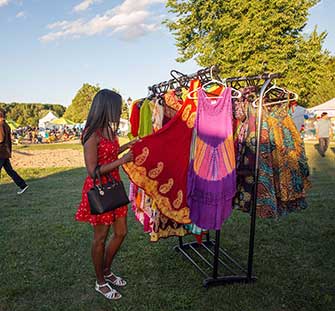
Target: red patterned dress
(107, 152)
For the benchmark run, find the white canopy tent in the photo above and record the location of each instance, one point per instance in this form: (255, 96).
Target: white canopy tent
(45, 121)
(328, 107)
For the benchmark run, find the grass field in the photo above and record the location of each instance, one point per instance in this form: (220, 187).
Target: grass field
(76, 145)
(45, 255)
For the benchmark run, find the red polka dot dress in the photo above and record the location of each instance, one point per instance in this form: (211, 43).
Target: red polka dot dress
(107, 152)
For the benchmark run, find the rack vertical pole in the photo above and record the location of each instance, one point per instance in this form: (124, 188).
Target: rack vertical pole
(255, 185)
(216, 253)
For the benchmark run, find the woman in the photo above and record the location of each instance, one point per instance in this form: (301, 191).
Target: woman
(101, 147)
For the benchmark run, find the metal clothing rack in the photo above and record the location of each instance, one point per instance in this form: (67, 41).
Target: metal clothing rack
(220, 256)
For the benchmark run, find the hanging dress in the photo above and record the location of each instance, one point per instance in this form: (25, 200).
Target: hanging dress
(245, 145)
(283, 174)
(283, 168)
(107, 152)
(134, 119)
(212, 176)
(161, 163)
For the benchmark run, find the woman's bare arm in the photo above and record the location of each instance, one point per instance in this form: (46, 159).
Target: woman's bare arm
(91, 158)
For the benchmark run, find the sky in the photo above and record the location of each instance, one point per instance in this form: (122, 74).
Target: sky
(50, 48)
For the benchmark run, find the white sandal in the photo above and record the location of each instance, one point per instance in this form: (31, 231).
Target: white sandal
(117, 280)
(111, 295)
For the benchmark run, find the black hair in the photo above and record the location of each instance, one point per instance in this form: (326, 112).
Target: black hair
(2, 113)
(324, 114)
(105, 112)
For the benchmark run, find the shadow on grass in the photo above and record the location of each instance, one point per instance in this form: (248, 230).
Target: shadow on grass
(22, 153)
(317, 148)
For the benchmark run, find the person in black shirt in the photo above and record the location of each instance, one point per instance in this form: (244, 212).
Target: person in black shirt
(6, 153)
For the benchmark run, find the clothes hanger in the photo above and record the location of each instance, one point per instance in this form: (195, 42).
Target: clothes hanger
(275, 87)
(215, 81)
(181, 79)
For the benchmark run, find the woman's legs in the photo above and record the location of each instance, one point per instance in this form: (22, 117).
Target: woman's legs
(98, 255)
(98, 251)
(120, 232)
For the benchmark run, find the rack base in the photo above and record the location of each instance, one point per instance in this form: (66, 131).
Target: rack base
(238, 273)
(227, 280)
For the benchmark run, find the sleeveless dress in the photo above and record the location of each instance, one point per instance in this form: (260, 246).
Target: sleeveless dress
(211, 183)
(107, 152)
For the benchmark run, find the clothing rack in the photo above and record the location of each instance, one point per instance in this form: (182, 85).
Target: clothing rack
(220, 256)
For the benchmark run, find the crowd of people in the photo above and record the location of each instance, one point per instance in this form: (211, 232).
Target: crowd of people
(34, 135)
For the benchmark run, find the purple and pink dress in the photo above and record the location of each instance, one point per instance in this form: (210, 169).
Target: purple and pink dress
(211, 183)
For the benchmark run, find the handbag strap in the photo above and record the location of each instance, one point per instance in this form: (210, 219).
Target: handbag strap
(97, 175)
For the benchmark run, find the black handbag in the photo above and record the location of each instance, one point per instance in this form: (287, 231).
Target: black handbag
(108, 197)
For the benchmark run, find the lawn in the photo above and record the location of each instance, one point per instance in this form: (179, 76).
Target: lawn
(46, 265)
(76, 145)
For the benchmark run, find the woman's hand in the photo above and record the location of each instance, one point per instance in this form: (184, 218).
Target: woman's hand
(128, 145)
(133, 142)
(128, 157)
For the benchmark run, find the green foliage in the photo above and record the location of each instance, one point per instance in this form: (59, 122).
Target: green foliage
(250, 37)
(325, 89)
(29, 114)
(81, 103)
(125, 110)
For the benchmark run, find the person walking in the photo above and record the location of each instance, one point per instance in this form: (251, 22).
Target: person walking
(101, 147)
(6, 153)
(323, 133)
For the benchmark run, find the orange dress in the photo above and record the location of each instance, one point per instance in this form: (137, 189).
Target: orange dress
(107, 152)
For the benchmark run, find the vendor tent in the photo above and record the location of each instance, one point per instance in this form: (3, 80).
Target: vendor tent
(62, 121)
(45, 121)
(328, 106)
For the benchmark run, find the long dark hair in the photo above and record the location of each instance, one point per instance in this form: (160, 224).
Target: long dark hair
(2, 113)
(105, 112)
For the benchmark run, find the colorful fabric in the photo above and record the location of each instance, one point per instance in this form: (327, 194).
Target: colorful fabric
(169, 110)
(245, 145)
(172, 100)
(145, 126)
(144, 208)
(212, 176)
(163, 227)
(134, 119)
(107, 152)
(157, 116)
(283, 168)
(161, 163)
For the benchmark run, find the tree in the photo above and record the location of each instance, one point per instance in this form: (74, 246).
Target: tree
(125, 110)
(325, 90)
(249, 37)
(78, 110)
(29, 114)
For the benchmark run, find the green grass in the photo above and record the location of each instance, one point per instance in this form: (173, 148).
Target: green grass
(45, 255)
(53, 146)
